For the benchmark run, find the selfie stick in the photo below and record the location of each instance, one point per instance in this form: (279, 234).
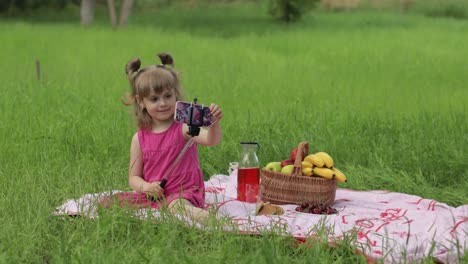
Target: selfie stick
(194, 130)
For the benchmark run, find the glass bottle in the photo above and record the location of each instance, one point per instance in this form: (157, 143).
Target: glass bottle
(248, 173)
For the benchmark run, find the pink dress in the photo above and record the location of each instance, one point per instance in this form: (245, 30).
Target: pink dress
(159, 152)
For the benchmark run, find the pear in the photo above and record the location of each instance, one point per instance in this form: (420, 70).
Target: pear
(288, 169)
(274, 166)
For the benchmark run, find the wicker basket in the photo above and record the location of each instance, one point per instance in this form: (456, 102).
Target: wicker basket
(280, 188)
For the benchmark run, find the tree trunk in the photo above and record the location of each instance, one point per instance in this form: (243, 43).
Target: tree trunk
(112, 13)
(125, 12)
(87, 12)
(405, 5)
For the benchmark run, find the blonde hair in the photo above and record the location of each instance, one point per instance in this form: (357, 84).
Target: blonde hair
(153, 78)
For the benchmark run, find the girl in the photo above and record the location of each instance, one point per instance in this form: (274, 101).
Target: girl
(159, 140)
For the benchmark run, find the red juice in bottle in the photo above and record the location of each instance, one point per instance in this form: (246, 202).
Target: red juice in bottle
(248, 181)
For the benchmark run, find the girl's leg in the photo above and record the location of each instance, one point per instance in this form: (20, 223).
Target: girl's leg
(187, 208)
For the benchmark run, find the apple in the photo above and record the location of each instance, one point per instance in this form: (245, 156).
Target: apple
(292, 155)
(273, 166)
(288, 169)
(286, 162)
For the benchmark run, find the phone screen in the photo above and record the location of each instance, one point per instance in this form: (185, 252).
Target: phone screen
(190, 114)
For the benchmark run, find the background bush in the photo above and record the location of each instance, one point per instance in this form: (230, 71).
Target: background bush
(23, 5)
(457, 9)
(290, 10)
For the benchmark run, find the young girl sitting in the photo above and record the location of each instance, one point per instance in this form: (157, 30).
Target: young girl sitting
(159, 140)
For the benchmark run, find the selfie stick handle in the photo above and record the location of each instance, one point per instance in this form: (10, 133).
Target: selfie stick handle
(163, 183)
(169, 171)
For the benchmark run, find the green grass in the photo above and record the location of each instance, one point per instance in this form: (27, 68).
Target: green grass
(384, 94)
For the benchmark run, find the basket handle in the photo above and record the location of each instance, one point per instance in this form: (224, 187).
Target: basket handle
(302, 151)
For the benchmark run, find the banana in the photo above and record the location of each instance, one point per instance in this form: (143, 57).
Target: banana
(306, 164)
(339, 176)
(316, 160)
(307, 171)
(324, 173)
(326, 158)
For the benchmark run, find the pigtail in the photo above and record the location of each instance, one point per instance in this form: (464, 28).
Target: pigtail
(166, 59)
(132, 66)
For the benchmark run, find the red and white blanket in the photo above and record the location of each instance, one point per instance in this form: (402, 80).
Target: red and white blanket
(389, 226)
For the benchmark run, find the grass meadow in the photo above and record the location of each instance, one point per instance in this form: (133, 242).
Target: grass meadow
(385, 94)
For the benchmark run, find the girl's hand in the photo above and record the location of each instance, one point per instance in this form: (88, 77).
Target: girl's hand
(153, 189)
(216, 112)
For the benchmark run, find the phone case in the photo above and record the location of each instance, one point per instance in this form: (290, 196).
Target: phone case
(184, 112)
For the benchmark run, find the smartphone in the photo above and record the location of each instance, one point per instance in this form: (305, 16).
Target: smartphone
(191, 114)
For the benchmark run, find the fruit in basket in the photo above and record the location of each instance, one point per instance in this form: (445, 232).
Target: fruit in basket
(286, 162)
(292, 155)
(326, 158)
(316, 160)
(288, 169)
(307, 171)
(324, 173)
(273, 166)
(306, 164)
(339, 176)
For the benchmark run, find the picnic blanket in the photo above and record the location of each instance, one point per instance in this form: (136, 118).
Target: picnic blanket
(388, 226)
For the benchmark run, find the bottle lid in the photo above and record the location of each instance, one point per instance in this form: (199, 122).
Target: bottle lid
(250, 143)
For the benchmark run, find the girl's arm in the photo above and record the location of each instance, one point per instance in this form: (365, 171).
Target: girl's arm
(135, 172)
(213, 134)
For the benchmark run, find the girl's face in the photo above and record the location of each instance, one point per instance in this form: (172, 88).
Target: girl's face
(160, 106)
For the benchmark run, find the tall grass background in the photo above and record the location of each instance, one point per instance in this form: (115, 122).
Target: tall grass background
(385, 94)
